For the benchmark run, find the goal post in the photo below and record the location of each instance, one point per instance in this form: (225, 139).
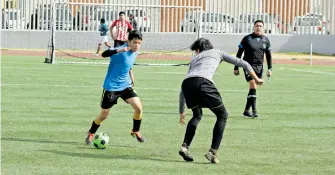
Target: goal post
(168, 31)
(51, 57)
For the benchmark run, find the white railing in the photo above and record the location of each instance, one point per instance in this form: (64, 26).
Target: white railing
(219, 16)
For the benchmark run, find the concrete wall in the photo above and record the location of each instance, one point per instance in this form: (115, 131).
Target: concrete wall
(323, 44)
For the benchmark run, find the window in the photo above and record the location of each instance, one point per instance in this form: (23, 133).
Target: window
(308, 22)
(252, 18)
(136, 12)
(61, 14)
(107, 15)
(12, 15)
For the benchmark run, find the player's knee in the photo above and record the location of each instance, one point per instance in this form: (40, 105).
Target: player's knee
(197, 113)
(104, 114)
(252, 84)
(197, 116)
(138, 112)
(221, 113)
(138, 109)
(225, 114)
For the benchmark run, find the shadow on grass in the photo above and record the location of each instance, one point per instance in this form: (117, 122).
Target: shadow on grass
(113, 156)
(38, 141)
(162, 113)
(321, 90)
(174, 114)
(57, 142)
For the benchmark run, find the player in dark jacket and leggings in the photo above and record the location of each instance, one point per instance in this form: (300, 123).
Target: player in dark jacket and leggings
(199, 92)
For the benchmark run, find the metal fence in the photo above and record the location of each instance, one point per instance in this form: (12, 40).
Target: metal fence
(218, 16)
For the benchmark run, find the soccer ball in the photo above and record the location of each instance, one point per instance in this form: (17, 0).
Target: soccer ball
(101, 140)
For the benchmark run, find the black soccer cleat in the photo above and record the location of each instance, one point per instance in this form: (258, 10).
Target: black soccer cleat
(138, 136)
(254, 114)
(211, 155)
(247, 114)
(185, 153)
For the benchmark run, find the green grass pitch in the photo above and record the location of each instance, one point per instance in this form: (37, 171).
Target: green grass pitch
(47, 110)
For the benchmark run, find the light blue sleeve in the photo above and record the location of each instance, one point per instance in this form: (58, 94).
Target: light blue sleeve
(105, 27)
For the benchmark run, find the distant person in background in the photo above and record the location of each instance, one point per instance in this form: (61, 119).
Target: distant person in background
(103, 36)
(133, 21)
(120, 33)
(81, 21)
(33, 21)
(4, 21)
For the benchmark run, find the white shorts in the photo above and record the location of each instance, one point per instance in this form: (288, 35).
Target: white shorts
(103, 39)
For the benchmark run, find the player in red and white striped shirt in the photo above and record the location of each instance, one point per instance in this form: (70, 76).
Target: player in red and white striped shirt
(120, 37)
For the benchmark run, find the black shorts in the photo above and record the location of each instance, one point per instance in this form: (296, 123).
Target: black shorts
(118, 43)
(110, 98)
(200, 92)
(258, 70)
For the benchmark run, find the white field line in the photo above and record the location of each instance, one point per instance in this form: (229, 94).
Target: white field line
(309, 71)
(23, 68)
(184, 73)
(177, 73)
(141, 88)
(297, 75)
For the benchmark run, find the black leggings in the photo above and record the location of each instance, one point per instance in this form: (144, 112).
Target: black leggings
(221, 115)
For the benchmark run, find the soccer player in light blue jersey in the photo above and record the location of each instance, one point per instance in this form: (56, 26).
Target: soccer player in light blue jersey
(103, 35)
(118, 83)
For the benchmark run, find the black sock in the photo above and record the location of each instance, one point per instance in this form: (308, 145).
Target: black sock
(185, 145)
(253, 99)
(94, 128)
(221, 115)
(136, 125)
(192, 126)
(251, 93)
(249, 102)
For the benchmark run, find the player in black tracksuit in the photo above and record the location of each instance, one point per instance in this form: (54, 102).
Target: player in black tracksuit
(254, 46)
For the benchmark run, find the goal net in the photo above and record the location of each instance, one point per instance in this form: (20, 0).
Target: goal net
(168, 32)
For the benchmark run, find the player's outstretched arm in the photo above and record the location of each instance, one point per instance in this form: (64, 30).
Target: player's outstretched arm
(241, 63)
(109, 52)
(239, 55)
(131, 74)
(182, 108)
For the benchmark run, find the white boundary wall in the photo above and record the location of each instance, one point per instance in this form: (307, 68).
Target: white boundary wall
(323, 44)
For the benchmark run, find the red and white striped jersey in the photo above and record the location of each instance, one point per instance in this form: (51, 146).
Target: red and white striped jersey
(122, 29)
